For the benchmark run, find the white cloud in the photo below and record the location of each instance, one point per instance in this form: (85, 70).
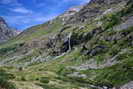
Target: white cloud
(22, 10)
(10, 2)
(82, 1)
(25, 17)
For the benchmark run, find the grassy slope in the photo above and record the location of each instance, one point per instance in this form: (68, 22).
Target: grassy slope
(35, 32)
(52, 74)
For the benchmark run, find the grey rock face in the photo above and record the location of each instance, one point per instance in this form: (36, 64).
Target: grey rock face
(128, 86)
(92, 10)
(78, 75)
(128, 23)
(5, 31)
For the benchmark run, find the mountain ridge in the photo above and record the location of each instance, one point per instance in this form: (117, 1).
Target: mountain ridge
(5, 31)
(87, 49)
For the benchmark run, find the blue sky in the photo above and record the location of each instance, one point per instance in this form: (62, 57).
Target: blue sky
(22, 14)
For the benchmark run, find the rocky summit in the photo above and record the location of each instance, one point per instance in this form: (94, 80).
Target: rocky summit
(90, 47)
(5, 31)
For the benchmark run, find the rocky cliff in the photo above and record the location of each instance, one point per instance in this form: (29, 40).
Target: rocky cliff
(5, 32)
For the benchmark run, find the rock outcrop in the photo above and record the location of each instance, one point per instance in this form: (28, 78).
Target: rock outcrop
(5, 31)
(92, 10)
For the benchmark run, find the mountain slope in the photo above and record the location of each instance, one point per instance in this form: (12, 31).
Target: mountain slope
(87, 49)
(5, 32)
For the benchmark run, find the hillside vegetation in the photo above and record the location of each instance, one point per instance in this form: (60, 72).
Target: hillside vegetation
(92, 49)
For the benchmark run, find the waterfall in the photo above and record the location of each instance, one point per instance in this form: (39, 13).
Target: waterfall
(69, 41)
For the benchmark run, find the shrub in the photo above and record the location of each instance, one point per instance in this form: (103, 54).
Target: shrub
(4, 77)
(23, 78)
(128, 9)
(44, 79)
(5, 84)
(110, 20)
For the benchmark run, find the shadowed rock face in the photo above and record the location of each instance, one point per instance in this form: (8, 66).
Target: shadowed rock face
(5, 31)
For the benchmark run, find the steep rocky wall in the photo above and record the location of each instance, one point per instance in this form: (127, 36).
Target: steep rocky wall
(5, 31)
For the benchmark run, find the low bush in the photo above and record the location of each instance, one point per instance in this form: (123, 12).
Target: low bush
(44, 79)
